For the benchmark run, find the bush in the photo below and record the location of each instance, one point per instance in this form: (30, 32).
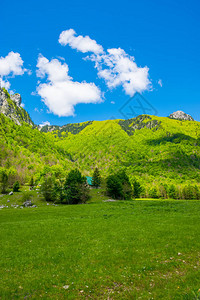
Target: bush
(47, 188)
(16, 186)
(153, 193)
(172, 192)
(26, 196)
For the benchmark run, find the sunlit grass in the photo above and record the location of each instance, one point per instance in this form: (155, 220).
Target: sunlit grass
(103, 250)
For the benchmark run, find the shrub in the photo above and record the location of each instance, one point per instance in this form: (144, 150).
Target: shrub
(16, 186)
(47, 188)
(153, 193)
(172, 192)
(26, 196)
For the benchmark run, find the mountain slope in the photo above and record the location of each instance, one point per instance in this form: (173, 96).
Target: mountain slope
(10, 106)
(146, 146)
(153, 149)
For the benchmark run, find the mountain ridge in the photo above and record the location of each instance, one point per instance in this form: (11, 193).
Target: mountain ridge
(150, 148)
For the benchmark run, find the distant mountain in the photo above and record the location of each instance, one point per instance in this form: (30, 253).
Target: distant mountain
(180, 115)
(10, 106)
(152, 149)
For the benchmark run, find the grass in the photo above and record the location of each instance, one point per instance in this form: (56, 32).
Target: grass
(102, 250)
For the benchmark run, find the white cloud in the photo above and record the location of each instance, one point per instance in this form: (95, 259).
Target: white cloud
(60, 93)
(160, 82)
(11, 65)
(112, 102)
(5, 84)
(118, 68)
(115, 66)
(45, 123)
(22, 105)
(54, 69)
(80, 43)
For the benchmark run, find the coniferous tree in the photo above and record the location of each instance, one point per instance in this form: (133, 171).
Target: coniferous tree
(118, 186)
(75, 188)
(16, 186)
(47, 188)
(96, 178)
(32, 182)
(3, 181)
(137, 189)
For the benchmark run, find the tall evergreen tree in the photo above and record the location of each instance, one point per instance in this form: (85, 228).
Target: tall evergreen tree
(96, 178)
(3, 182)
(75, 188)
(32, 182)
(118, 186)
(137, 189)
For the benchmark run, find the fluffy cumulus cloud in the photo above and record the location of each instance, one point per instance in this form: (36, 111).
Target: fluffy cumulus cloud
(60, 93)
(118, 68)
(11, 65)
(115, 66)
(80, 43)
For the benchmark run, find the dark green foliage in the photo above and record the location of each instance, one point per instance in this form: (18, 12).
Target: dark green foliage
(137, 189)
(114, 187)
(60, 130)
(172, 193)
(118, 186)
(27, 196)
(96, 178)
(47, 188)
(139, 122)
(75, 188)
(31, 182)
(190, 192)
(16, 186)
(153, 193)
(3, 181)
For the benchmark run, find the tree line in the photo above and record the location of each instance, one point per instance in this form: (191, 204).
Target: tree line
(74, 189)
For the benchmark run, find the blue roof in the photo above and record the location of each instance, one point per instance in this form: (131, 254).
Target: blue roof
(89, 180)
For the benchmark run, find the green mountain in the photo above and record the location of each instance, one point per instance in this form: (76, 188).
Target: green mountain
(156, 150)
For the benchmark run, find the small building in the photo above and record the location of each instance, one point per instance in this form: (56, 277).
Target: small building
(89, 180)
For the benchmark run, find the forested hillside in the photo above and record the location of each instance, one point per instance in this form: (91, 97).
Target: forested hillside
(151, 149)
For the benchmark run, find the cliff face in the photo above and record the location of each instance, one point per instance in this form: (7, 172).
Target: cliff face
(10, 106)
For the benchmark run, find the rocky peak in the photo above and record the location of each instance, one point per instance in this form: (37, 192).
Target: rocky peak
(180, 115)
(17, 99)
(10, 106)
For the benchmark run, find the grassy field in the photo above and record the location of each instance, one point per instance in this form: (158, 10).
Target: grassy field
(102, 250)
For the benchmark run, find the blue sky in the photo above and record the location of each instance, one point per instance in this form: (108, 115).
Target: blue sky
(162, 36)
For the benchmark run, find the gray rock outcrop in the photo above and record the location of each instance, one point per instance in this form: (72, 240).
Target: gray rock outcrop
(180, 115)
(17, 99)
(10, 106)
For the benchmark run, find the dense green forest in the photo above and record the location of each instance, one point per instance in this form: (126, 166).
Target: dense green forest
(153, 150)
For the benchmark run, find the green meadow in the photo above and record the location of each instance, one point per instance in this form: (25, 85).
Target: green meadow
(138, 249)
